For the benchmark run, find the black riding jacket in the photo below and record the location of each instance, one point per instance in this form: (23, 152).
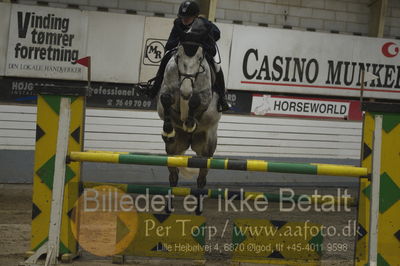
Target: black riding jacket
(178, 34)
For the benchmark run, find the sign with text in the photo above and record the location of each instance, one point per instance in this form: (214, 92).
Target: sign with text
(43, 42)
(274, 60)
(271, 105)
(101, 94)
(156, 33)
(4, 26)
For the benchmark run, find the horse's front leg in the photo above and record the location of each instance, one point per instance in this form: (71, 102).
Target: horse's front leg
(168, 133)
(202, 180)
(190, 124)
(173, 182)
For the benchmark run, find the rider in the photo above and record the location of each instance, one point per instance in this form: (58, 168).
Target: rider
(188, 12)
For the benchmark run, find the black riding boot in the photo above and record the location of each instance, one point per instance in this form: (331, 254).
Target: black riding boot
(154, 84)
(220, 89)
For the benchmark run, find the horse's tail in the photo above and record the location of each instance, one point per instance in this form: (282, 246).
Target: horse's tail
(188, 173)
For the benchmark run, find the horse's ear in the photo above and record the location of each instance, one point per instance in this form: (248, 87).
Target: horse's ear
(180, 49)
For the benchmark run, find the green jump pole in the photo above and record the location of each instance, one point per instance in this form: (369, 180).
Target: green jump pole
(227, 164)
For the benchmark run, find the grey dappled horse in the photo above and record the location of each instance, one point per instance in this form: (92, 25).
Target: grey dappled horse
(188, 106)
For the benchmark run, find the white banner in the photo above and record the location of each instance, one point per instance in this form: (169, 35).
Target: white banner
(274, 60)
(156, 33)
(300, 107)
(224, 47)
(114, 44)
(4, 28)
(44, 41)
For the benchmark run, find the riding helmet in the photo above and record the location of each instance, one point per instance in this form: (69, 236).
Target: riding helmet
(189, 9)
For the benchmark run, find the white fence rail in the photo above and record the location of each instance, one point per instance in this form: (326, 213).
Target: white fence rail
(247, 136)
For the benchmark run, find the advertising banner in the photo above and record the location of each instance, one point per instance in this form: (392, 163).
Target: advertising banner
(156, 33)
(4, 27)
(275, 60)
(43, 42)
(224, 48)
(271, 105)
(100, 94)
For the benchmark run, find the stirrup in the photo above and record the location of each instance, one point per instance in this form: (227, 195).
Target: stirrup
(223, 106)
(146, 88)
(151, 81)
(142, 88)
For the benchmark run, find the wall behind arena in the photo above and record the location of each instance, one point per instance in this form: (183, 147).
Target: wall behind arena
(334, 16)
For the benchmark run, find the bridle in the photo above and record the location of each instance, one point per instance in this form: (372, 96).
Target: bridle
(191, 77)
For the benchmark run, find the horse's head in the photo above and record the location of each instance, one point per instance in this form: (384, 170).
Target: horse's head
(189, 60)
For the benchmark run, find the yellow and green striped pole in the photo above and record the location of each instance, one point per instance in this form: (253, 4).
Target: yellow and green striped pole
(227, 164)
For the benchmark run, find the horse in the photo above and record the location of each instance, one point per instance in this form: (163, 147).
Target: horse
(188, 107)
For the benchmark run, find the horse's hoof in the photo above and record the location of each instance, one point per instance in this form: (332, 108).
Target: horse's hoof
(168, 140)
(168, 130)
(168, 137)
(189, 128)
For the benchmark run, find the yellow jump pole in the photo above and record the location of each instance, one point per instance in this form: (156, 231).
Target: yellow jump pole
(227, 164)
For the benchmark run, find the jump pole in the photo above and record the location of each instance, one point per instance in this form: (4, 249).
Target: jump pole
(226, 164)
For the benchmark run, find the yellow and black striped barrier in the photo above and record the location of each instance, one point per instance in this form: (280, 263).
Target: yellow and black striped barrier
(227, 164)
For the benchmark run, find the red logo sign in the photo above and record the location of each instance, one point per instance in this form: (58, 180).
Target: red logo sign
(390, 49)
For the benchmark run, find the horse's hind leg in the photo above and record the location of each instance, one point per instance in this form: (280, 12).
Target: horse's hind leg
(207, 148)
(205, 144)
(173, 182)
(177, 147)
(202, 178)
(168, 134)
(173, 176)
